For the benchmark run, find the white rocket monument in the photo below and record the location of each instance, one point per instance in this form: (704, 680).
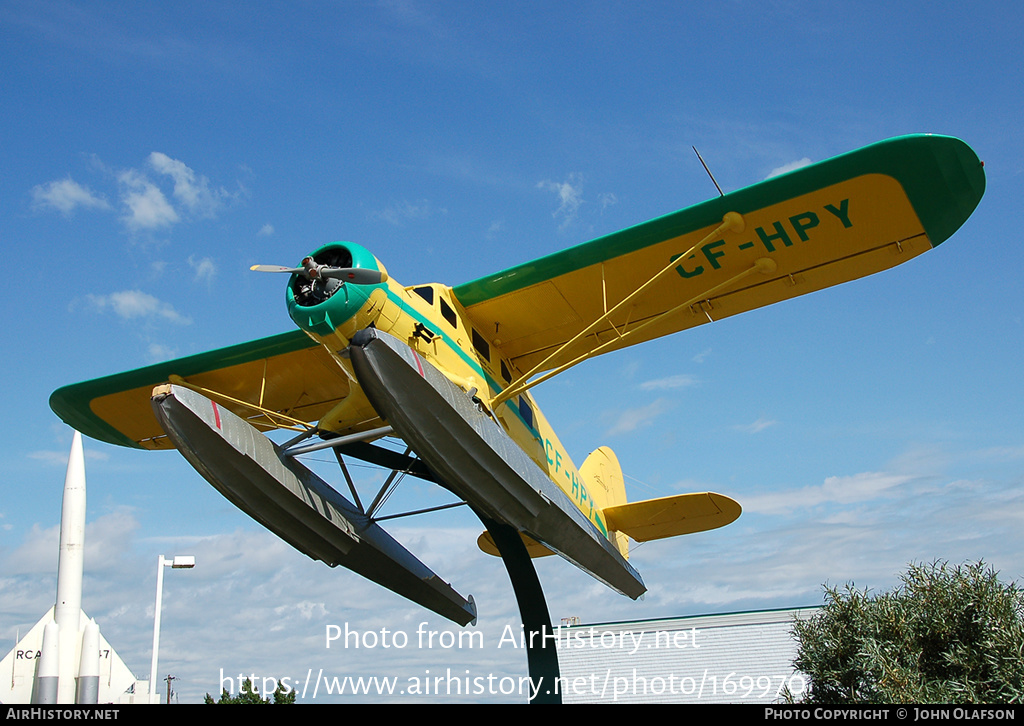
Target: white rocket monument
(64, 659)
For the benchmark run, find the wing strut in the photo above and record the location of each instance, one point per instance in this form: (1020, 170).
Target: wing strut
(400, 467)
(286, 421)
(348, 479)
(386, 488)
(731, 222)
(339, 441)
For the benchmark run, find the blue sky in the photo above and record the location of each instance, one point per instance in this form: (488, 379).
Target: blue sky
(152, 152)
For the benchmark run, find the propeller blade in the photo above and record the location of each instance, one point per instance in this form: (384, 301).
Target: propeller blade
(275, 268)
(356, 275)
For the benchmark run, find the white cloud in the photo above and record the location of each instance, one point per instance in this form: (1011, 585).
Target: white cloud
(843, 490)
(147, 207)
(60, 458)
(304, 609)
(133, 304)
(757, 427)
(158, 352)
(106, 538)
(635, 418)
(791, 166)
(145, 204)
(191, 190)
(1003, 453)
(493, 230)
(404, 211)
(266, 230)
(669, 382)
(205, 269)
(65, 196)
(570, 197)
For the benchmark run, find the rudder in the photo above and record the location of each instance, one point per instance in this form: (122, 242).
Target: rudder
(602, 475)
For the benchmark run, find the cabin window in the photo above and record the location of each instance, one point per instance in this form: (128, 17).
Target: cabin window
(481, 345)
(505, 373)
(448, 314)
(526, 412)
(427, 293)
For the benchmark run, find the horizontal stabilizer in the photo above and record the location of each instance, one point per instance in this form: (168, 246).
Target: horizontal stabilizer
(672, 516)
(294, 503)
(534, 548)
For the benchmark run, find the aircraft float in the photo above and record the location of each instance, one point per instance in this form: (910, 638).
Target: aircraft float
(448, 370)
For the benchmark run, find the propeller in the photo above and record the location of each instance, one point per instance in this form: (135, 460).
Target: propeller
(312, 271)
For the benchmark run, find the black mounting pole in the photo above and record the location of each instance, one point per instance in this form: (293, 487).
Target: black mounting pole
(541, 647)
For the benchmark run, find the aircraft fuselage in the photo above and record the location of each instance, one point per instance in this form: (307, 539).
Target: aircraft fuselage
(431, 321)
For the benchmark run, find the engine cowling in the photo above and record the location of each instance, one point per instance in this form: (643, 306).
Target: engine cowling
(320, 304)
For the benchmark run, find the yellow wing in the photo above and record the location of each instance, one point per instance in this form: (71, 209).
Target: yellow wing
(821, 225)
(268, 381)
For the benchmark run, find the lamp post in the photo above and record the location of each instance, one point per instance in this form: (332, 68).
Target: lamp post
(181, 562)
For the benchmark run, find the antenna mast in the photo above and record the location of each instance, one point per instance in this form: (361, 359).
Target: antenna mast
(720, 192)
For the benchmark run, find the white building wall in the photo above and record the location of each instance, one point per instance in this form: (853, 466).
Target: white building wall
(733, 658)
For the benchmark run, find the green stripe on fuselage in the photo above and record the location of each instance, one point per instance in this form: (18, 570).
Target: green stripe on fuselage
(466, 357)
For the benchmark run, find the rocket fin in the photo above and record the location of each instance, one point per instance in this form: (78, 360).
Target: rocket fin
(25, 664)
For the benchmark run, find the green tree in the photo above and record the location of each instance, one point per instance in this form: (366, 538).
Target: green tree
(248, 694)
(284, 695)
(945, 635)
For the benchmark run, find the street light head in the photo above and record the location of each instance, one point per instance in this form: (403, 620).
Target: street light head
(183, 561)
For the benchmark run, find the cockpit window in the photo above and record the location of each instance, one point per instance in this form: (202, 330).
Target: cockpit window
(448, 314)
(526, 412)
(481, 345)
(427, 293)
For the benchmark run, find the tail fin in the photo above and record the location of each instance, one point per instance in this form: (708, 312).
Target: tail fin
(652, 518)
(602, 475)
